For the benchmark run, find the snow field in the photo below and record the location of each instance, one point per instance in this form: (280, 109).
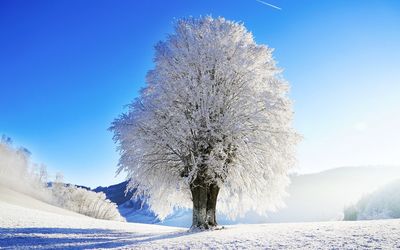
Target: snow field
(29, 223)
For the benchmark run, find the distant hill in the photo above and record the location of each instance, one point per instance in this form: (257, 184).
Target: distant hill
(133, 210)
(383, 203)
(50, 184)
(323, 196)
(116, 193)
(312, 197)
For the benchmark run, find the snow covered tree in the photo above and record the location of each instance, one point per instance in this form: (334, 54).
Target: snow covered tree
(17, 172)
(84, 201)
(213, 122)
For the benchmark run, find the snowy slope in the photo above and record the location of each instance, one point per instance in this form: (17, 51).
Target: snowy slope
(9, 197)
(24, 225)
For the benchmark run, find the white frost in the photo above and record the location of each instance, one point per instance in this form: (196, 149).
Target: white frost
(214, 101)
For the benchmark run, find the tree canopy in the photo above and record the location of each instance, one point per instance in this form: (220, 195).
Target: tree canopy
(215, 106)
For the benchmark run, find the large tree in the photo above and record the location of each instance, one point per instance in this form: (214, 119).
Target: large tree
(214, 121)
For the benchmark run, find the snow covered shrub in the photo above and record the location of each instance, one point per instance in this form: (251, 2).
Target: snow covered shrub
(17, 172)
(84, 201)
(384, 203)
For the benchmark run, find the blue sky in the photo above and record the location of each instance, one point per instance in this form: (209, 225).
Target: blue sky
(67, 68)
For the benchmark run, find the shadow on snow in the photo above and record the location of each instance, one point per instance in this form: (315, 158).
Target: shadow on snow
(71, 238)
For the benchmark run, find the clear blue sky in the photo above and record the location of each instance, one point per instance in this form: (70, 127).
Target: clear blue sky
(67, 68)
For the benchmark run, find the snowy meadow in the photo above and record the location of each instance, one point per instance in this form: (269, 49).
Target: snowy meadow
(27, 224)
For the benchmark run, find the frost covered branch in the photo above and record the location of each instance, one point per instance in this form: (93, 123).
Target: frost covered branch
(214, 116)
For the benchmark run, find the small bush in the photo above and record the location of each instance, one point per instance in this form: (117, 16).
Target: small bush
(84, 201)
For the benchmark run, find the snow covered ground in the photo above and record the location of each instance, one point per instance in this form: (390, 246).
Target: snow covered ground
(27, 223)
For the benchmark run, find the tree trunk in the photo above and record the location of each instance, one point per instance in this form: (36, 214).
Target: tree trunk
(199, 197)
(204, 197)
(212, 196)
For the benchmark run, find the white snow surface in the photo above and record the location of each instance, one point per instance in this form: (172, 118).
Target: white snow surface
(26, 223)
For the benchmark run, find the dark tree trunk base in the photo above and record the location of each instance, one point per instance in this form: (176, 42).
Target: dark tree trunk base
(200, 229)
(204, 197)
